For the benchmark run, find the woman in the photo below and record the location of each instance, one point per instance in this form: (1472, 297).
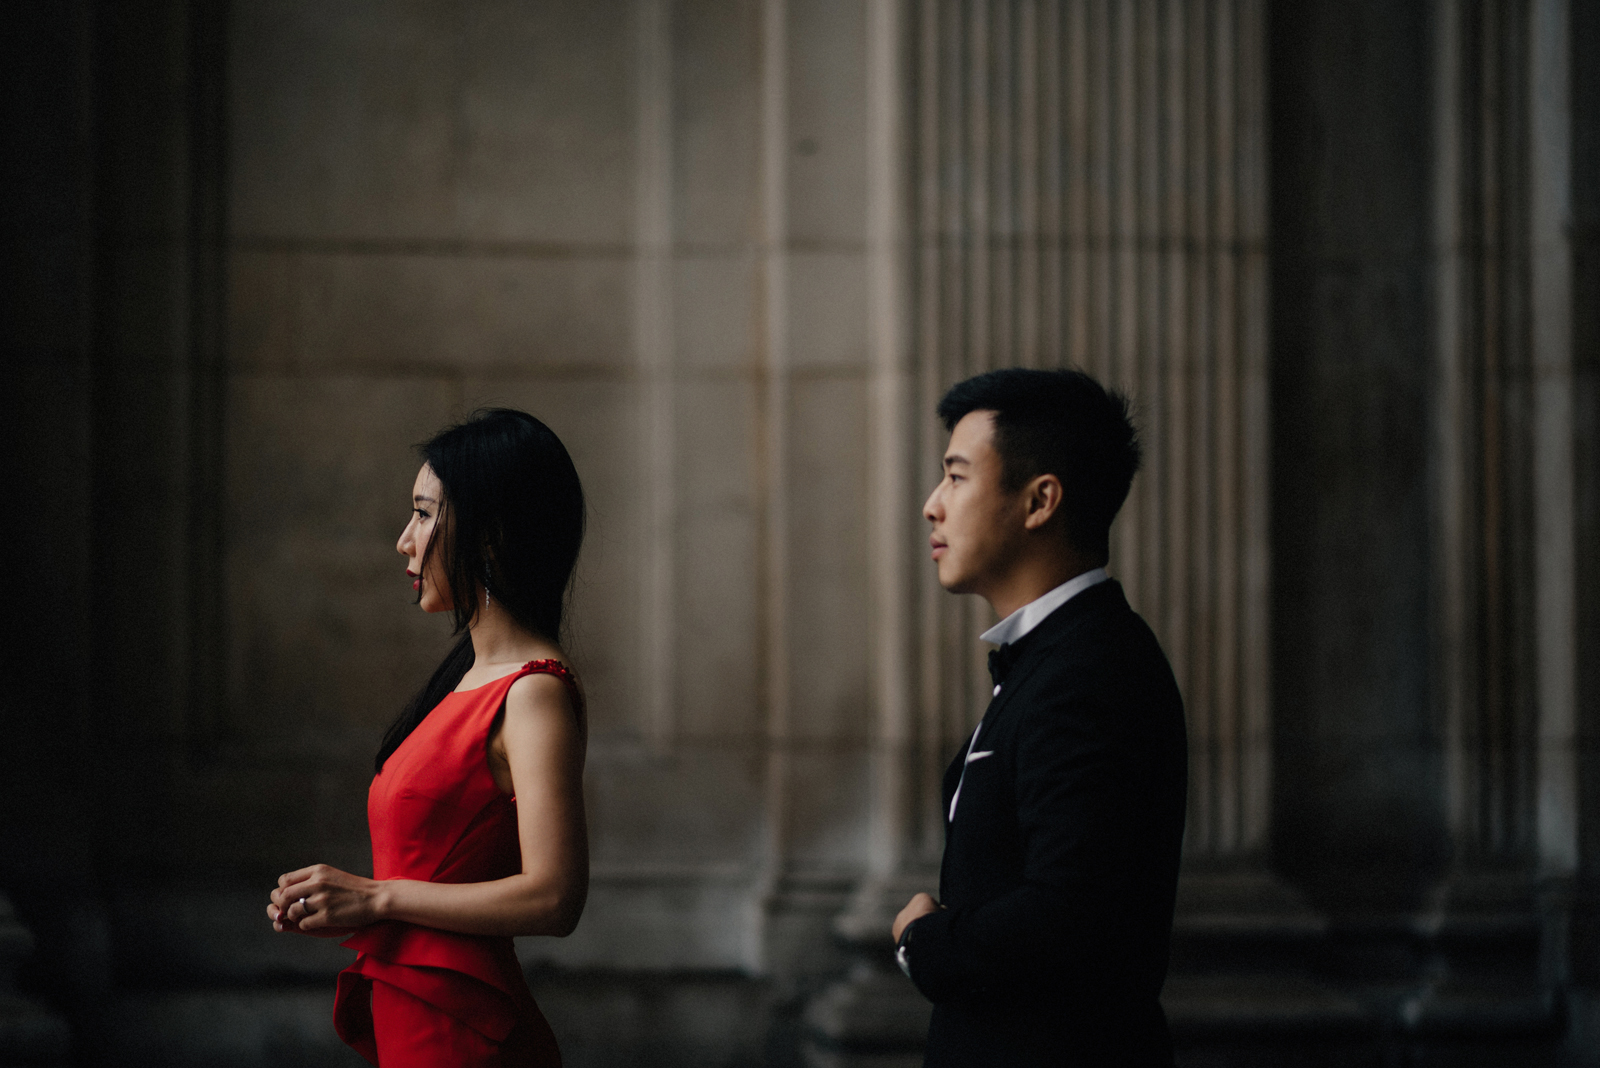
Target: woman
(476, 810)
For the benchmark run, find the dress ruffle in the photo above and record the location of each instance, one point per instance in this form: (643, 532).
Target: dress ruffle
(474, 979)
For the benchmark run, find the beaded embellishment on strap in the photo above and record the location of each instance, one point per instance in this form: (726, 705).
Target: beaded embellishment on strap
(562, 672)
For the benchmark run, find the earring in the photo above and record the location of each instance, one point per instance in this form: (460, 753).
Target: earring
(486, 584)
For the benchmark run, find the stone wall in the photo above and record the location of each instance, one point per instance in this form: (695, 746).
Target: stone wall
(1342, 255)
(643, 223)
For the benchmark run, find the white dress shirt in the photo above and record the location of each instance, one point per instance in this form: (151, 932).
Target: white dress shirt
(1034, 612)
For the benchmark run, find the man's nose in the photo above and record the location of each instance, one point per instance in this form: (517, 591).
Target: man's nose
(930, 506)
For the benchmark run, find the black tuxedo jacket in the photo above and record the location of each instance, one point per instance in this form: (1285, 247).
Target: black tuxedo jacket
(1061, 864)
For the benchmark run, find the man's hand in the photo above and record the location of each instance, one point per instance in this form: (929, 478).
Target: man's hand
(918, 907)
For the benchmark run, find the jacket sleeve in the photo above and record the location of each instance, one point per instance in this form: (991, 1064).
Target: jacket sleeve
(1075, 779)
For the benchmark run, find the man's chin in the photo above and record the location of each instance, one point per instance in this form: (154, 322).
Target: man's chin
(954, 583)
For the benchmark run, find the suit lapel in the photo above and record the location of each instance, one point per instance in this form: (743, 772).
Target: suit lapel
(1032, 650)
(1038, 644)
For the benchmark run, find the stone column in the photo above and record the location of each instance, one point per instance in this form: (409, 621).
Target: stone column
(1091, 192)
(1504, 491)
(1088, 188)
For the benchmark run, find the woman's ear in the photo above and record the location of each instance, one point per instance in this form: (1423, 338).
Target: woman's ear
(1042, 498)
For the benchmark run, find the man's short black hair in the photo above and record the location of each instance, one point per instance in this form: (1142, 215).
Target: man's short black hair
(1060, 423)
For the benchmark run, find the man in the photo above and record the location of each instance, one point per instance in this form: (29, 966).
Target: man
(1064, 812)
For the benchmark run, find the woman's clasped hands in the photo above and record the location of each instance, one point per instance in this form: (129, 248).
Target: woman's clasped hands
(325, 902)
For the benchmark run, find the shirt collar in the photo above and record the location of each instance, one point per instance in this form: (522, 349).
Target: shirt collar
(1030, 615)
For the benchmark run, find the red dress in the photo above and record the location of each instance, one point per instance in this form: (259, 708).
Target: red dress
(417, 997)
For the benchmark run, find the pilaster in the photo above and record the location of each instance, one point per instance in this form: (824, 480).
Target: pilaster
(1504, 488)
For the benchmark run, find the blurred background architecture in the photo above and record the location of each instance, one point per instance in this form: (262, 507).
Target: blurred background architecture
(1344, 254)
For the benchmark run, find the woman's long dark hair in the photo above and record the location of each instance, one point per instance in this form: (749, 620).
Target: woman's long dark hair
(511, 522)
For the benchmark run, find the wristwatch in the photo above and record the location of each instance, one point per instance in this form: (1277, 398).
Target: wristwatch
(900, 948)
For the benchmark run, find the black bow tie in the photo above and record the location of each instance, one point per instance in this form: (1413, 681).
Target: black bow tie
(1001, 660)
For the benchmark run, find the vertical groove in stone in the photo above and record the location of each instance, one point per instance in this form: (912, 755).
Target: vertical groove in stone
(1101, 167)
(1489, 499)
(1101, 179)
(1225, 463)
(1500, 466)
(1146, 590)
(1052, 337)
(1491, 753)
(1192, 362)
(1076, 184)
(1031, 145)
(1206, 551)
(979, 237)
(653, 328)
(1497, 509)
(774, 444)
(979, 241)
(1125, 370)
(1173, 621)
(929, 87)
(1251, 318)
(1520, 734)
(955, 656)
(1002, 232)
(951, 181)
(1450, 487)
(1553, 432)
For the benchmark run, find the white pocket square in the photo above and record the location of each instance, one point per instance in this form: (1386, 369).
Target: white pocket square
(979, 755)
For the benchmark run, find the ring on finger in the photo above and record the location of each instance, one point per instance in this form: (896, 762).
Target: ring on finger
(304, 907)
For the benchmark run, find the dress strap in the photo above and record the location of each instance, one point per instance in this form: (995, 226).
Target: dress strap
(560, 671)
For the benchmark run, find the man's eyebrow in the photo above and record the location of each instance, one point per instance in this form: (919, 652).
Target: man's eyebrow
(956, 459)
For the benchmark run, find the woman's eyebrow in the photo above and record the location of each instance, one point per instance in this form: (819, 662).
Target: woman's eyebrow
(420, 497)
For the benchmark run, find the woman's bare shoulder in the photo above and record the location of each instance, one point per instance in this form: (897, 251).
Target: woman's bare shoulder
(539, 692)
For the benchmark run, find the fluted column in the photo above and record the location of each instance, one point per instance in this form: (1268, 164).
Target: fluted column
(1484, 497)
(1089, 183)
(1086, 188)
(1504, 491)
(1504, 424)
